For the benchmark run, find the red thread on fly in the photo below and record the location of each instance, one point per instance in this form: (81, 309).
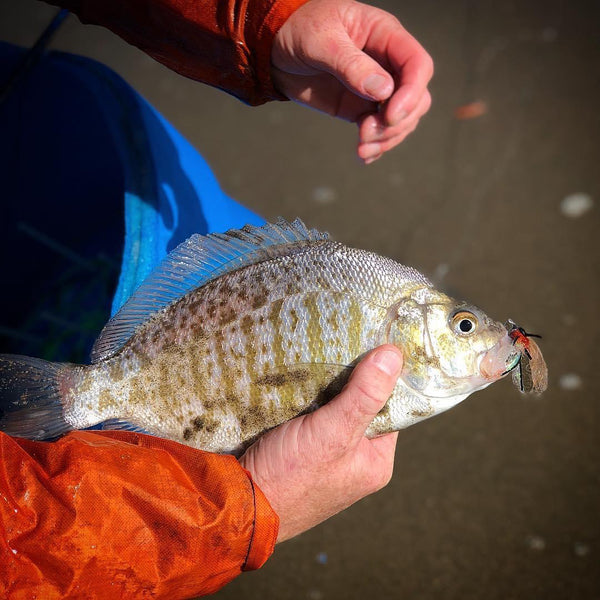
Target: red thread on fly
(530, 374)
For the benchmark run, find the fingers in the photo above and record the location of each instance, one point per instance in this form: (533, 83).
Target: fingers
(376, 137)
(368, 389)
(346, 58)
(358, 72)
(323, 92)
(412, 68)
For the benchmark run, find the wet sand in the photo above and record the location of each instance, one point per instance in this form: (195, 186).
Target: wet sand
(500, 497)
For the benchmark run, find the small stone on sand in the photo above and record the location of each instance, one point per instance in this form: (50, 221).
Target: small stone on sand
(576, 205)
(324, 194)
(570, 381)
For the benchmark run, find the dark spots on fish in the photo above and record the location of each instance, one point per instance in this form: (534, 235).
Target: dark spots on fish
(227, 314)
(201, 423)
(294, 318)
(418, 414)
(197, 307)
(209, 368)
(254, 419)
(226, 290)
(261, 292)
(333, 388)
(230, 399)
(277, 379)
(419, 353)
(286, 377)
(243, 295)
(211, 310)
(197, 331)
(264, 348)
(246, 325)
(259, 299)
(209, 403)
(333, 322)
(261, 319)
(183, 320)
(385, 411)
(211, 425)
(321, 281)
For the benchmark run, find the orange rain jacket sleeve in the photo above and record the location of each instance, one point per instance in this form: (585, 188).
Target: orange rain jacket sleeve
(116, 514)
(225, 43)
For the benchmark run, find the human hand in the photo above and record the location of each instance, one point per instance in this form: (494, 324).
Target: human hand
(358, 63)
(318, 464)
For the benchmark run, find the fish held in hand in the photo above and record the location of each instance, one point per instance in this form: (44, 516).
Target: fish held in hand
(236, 333)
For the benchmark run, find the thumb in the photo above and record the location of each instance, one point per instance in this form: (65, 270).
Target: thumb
(358, 71)
(368, 389)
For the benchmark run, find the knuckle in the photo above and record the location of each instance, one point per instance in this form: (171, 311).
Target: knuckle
(346, 59)
(425, 102)
(369, 392)
(428, 65)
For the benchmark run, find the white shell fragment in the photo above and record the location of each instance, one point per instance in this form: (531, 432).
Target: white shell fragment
(576, 205)
(535, 542)
(581, 549)
(324, 195)
(570, 381)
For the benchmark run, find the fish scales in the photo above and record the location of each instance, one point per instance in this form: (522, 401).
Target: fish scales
(255, 322)
(277, 336)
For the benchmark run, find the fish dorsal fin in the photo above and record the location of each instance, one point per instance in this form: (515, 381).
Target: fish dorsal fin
(195, 262)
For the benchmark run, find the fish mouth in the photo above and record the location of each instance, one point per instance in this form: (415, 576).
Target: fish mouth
(499, 360)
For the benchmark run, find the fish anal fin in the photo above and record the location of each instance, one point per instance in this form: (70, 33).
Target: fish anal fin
(121, 425)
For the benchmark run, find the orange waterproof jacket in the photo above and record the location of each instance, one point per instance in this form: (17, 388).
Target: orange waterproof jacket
(120, 514)
(115, 514)
(225, 43)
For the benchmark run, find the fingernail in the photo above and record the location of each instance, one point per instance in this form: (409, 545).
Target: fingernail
(377, 86)
(387, 361)
(372, 150)
(368, 161)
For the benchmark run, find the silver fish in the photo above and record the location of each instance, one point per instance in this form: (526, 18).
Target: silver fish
(236, 333)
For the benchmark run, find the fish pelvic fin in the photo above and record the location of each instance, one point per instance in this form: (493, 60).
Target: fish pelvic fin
(31, 397)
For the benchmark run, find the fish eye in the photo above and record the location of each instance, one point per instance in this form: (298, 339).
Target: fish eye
(464, 322)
